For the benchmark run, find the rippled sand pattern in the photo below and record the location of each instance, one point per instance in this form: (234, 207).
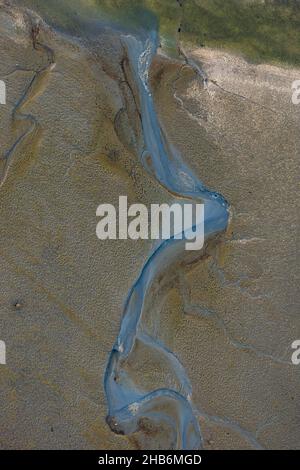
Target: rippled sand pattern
(199, 355)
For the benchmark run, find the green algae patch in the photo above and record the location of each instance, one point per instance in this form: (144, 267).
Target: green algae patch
(262, 31)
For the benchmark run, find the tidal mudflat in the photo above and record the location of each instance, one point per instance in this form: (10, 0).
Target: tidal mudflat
(122, 344)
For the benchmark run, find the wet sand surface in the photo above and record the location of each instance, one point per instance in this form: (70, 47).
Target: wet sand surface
(70, 140)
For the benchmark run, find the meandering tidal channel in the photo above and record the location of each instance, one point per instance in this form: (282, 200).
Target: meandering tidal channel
(128, 403)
